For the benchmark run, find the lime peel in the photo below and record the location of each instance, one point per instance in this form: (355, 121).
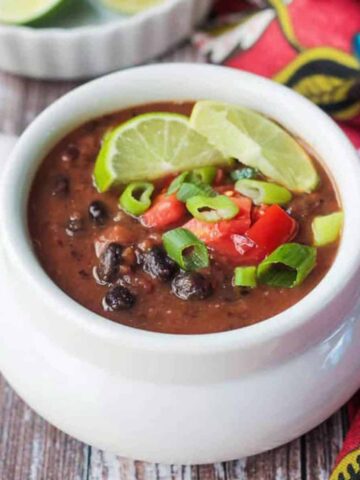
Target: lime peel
(21, 12)
(131, 6)
(151, 146)
(257, 142)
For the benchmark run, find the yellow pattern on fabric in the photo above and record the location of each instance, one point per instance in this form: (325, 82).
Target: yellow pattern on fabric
(283, 17)
(348, 468)
(318, 53)
(324, 88)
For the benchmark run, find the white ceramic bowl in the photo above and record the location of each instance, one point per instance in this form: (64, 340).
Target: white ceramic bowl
(174, 398)
(106, 43)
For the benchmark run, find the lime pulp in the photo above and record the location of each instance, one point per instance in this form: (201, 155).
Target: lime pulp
(255, 141)
(152, 146)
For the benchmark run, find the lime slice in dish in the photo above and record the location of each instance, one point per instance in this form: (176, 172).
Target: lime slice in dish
(27, 11)
(131, 6)
(257, 142)
(152, 146)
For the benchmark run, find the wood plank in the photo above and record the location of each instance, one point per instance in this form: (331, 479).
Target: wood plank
(284, 463)
(31, 449)
(21, 100)
(107, 466)
(280, 464)
(321, 447)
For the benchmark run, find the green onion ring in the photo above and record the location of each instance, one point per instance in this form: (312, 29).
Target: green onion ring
(245, 277)
(136, 198)
(212, 209)
(263, 192)
(177, 182)
(188, 190)
(186, 249)
(204, 174)
(287, 266)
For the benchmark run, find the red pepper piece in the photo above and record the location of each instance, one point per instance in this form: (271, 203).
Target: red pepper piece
(273, 229)
(166, 210)
(258, 212)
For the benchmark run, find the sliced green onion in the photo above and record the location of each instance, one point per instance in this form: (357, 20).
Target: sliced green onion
(213, 209)
(287, 266)
(136, 198)
(188, 190)
(204, 174)
(245, 277)
(246, 172)
(326, 229)
(263, 192)
(200, 177)
(177, 182)
(186, 249)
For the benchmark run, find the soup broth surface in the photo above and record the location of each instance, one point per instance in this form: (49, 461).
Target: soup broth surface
(65, 240)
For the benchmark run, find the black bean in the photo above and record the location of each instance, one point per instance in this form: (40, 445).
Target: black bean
(191, 286)
(157, 264)
(119, 298)
(109, 263)
(98, 212)
(71, 153)
(74, 225)
(61, 186)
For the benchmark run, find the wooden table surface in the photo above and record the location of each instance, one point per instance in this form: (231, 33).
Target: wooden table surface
(31, 449)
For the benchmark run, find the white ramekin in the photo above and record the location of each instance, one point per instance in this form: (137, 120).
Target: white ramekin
(94, 50)
(174, 398)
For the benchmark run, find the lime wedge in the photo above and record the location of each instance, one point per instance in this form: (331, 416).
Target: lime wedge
(131, 6)
(152, 146)
(255, 141)
(27, 11)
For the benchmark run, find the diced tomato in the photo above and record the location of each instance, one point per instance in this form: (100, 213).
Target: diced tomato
(242, 221)
(166, 210)
(238, 249)
(116, 233)
(203, 230)
(274, 228)
(258, 212)
(166, 182)
(210, 232)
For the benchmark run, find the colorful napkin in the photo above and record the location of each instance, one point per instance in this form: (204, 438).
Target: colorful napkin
(348, 462)
(312, 46)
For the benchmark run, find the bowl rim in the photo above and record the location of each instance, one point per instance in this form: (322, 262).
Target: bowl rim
(15, 231)
(93, 30)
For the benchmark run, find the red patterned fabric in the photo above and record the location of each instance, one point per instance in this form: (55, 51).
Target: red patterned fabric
(312, 46)
(334, 24)
(348, 462)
